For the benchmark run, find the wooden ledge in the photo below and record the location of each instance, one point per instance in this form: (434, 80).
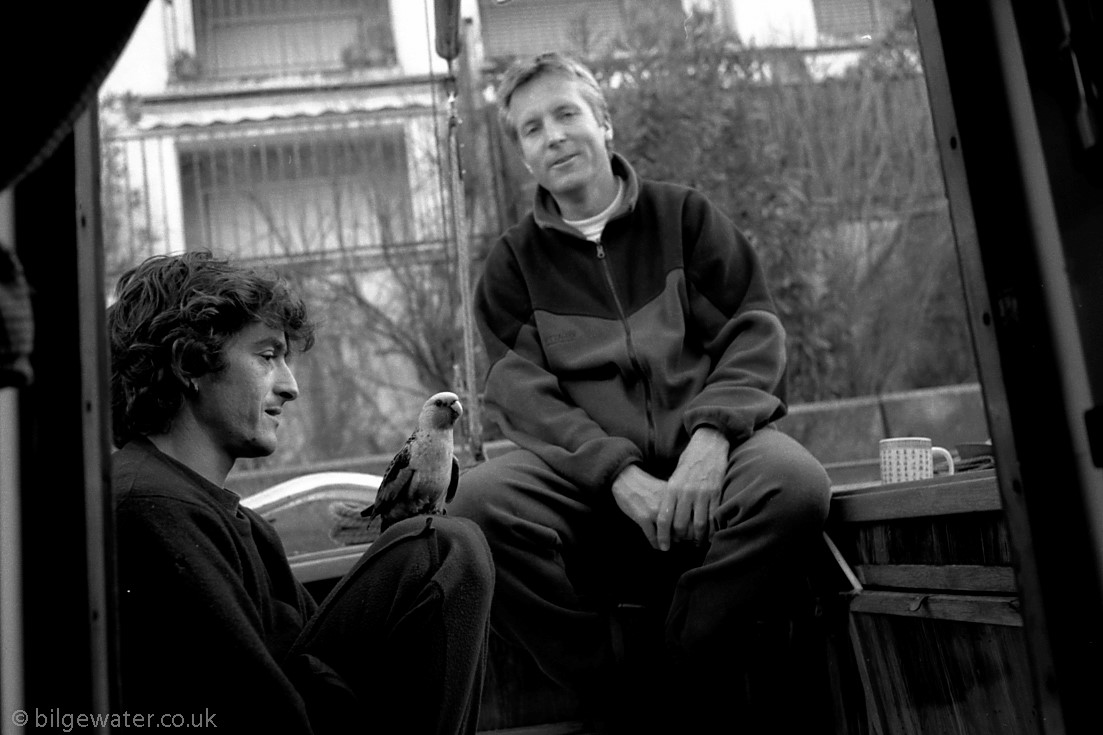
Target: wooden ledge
(967, 492)
(551, 728)
(963, 608)
(948, 577)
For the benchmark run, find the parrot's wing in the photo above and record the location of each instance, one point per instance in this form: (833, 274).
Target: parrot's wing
(391, 492)
(454, 482)
(399, 462)
(384, 497)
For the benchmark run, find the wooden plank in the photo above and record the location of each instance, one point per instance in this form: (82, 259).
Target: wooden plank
(965, 608)
(841, 562)
(872, 708)
(518, 695)
(963, 577)
(946, 677)
(552, 728)
(971, 492)
(963, 538)
(11, 526)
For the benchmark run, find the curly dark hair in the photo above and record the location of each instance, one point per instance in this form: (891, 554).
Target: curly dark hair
(172, 317)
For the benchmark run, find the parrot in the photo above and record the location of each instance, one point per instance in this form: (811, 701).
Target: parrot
(424, 474)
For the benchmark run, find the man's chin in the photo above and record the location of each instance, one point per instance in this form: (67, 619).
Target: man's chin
(256, 450)
(566, 183)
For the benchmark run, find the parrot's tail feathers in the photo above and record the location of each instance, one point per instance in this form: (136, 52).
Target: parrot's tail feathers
(352, 536)
(342, 509)
(349, 526)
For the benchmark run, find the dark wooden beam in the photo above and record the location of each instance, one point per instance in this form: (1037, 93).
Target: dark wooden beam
(64, 435)
(1026, 211)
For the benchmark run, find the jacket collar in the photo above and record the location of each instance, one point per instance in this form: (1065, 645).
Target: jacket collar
(546, 212)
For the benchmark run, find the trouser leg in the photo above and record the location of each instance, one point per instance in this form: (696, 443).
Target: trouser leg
(561, 554)
(407, 628)
(738, 625)
(775, 501)
(542, 532)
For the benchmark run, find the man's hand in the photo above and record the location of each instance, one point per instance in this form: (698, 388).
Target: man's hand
(639, 496)
(693, 491)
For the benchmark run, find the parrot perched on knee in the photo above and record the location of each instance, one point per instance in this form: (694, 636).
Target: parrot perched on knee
(424, 474)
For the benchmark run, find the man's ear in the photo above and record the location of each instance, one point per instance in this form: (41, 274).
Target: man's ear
(181, 368)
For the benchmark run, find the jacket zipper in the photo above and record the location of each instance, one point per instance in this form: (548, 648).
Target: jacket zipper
(631, 351)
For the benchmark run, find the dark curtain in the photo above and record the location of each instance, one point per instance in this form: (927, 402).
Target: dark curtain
(53, 58)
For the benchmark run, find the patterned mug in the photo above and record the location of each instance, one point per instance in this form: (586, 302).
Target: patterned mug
(910, 458)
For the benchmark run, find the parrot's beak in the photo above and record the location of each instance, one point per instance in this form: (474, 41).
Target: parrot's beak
(457, 409)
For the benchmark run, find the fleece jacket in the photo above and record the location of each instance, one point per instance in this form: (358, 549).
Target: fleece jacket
(607, 354)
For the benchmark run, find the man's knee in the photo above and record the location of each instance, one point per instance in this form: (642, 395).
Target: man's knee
(463, 544)
(462, 537)
(797, 485)
(805, 491)
(455, 547)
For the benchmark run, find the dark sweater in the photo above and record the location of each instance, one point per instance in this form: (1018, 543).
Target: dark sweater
(208, 604)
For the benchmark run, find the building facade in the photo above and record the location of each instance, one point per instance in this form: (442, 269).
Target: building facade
(292, 130)
(278, 130)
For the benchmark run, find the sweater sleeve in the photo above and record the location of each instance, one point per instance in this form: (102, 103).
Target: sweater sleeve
(733, 315)
(192, 638)
(524, 397)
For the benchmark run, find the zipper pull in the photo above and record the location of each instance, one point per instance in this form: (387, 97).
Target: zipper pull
(600, 251)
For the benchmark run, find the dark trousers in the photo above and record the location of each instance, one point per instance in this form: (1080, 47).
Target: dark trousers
(400, 644)
(566, 558)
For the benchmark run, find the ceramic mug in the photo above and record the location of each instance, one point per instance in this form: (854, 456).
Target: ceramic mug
(909, 458)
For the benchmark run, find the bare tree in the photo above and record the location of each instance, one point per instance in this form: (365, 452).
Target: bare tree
(371, 252)
(127, 234)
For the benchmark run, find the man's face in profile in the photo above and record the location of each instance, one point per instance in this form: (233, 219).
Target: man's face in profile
(238, 408)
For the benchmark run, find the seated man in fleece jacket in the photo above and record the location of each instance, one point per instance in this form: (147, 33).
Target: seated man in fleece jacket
(637, 361)
(212, 623)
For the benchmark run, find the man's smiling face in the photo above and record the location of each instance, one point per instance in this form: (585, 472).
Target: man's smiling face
(562, 142)
(239, 406)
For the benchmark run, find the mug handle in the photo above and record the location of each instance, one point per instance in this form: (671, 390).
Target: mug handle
(945, 454)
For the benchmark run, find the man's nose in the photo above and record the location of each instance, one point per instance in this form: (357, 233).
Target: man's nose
(555, 132)
(286, 387)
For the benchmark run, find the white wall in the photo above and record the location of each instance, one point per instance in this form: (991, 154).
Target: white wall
(142, 67)
(144, 64)
(415, 34)
(774, 22)
(411, 25)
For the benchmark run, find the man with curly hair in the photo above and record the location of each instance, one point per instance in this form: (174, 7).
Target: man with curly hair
(212, 622)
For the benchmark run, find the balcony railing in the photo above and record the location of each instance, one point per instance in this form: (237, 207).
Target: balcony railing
(364, 188)
(253, 38)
